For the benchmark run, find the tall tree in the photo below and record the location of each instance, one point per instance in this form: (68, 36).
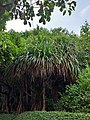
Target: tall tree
(49, 64)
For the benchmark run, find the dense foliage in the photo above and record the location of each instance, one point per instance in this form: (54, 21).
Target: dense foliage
(36, 66)
(77, 96)
(45, 61)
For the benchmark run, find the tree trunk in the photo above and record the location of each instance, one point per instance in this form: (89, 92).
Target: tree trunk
(20, 107)
(33, 94)
(26, 91)
(43, 95)
(7, 104)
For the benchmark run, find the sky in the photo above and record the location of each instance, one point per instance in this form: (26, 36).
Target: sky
(71, 23)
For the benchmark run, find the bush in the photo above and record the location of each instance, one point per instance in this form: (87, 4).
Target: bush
(77, 96)
(7, 117)
(52, 116)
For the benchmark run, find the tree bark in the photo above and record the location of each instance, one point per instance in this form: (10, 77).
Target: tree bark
(43, 95)
(20, 107)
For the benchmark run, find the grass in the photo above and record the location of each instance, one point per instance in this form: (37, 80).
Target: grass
(38, 115)
(7, 117)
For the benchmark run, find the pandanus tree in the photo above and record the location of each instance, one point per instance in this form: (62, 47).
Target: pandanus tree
(49, 64)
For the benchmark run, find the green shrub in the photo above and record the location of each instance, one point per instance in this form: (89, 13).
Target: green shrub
(77, 96)
(52, 116)
(7, 117)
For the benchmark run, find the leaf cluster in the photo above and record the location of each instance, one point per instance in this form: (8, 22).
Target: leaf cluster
(26, 10)
(77, 97)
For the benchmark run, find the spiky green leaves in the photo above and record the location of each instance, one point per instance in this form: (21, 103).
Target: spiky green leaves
(48, 51)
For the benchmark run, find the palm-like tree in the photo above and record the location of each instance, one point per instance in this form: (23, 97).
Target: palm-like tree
(49, 60)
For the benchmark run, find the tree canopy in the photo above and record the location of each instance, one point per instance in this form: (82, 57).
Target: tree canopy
(27, 9)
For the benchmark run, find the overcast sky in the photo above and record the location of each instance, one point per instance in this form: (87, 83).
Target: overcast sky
(72, 23)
